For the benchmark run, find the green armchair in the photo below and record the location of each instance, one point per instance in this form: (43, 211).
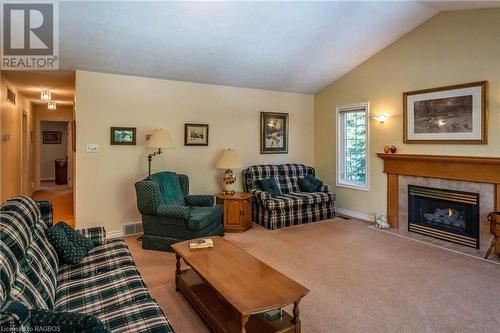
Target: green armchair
(170, 214)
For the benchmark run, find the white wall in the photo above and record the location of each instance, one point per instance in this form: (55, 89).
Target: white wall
(105, 193)
(50, 152)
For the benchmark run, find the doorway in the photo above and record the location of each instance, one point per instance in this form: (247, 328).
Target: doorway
(25, 182)
(55, 170)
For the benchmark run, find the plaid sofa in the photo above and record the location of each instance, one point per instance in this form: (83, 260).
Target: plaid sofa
(106, 283)
(292, 207)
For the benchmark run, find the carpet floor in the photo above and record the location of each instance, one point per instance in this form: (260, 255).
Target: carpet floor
(360, 280)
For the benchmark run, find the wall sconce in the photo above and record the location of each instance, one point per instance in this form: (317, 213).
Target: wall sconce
(45, 95)
(382, 118)
(51, 106)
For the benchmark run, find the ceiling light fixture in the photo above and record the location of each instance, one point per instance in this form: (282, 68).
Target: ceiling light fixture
(45, 95)
(51, 105)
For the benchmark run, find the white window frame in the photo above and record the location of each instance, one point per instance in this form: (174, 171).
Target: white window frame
(340, 158)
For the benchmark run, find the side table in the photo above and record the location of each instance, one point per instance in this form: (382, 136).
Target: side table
(237, 211)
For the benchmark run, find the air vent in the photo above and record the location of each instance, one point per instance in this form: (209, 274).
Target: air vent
(11, 96)
(132, 229)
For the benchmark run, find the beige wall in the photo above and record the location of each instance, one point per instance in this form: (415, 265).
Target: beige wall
(15, 180)
(452, 47)
(105, 181)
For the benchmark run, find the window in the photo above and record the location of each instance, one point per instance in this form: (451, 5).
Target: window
(352, 146)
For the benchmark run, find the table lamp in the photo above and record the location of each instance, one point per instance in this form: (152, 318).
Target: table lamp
(159, 139)
(228, 160)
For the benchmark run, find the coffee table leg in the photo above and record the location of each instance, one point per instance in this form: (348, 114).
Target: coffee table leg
(177, 270)
(296, 319)
(244, 320)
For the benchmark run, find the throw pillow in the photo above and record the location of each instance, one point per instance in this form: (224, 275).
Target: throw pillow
(315, 181)
(269, 185)
(306, 186)
(69, 244)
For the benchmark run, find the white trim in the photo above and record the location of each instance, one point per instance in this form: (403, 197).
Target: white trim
(47, 179)
(338, 110)
(114, 234)
(356, 215)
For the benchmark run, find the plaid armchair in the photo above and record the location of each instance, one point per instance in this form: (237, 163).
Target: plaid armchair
(292, 207)
(170, 214)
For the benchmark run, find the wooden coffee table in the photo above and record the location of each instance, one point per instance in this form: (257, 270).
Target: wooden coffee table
(231, 289)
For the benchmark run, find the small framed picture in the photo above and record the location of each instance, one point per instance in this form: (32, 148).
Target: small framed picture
(123, 136)
(52, 137)
(196, 134)
(273, 133)
(452, 114)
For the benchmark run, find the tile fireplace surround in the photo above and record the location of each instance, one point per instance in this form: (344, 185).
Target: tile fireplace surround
(470, 174)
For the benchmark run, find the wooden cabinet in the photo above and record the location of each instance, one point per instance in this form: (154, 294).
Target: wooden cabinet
(237, 211)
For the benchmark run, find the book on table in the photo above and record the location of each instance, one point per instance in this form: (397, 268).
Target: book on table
(201, 244)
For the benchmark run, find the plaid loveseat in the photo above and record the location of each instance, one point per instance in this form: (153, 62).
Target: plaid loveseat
(292, 207)
(106, 284)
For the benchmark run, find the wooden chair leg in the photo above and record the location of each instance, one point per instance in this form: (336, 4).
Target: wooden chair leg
(492, 246)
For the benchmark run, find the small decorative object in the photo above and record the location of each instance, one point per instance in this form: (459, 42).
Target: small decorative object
(159, 139)
(228, 160)
(196, 134)
(452, 114)
(393, 148)
(51, 105)
(273, 133)
(201, 244)
(381, 221)
(45, 95)
(494, 219)
(123, 136)
(273, 314)
(52, 137)
(387, 149)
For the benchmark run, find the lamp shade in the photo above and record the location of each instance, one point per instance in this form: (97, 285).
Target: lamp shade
(160, 139)
(229, 159)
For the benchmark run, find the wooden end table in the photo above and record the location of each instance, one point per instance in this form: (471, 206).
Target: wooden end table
(237, 210)
(230, 289)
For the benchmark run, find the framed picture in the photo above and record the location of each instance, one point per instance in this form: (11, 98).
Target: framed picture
(123, 135)
(196, 134)
(52, 137)
(273, 133)
(454, 114)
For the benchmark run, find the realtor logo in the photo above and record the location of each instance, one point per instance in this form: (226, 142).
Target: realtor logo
(30, 36)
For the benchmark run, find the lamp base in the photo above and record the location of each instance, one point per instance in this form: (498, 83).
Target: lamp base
(228, 181)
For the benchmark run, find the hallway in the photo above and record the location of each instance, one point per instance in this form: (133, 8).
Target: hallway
(61, 197)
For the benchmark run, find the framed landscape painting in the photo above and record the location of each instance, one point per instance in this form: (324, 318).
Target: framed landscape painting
(196, 134)
(446, 115)
(273, 133)
(123, 136)
(52, 137)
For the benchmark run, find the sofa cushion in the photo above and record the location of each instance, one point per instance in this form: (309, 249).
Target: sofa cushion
(95, 294)
(99, 260)
(70, 245)
(25, 206)
(297, 199)
(143, 316)
(170, 187)
(258, 172)
(315, 181)
(203, 217)
(28, 263)
(269, 185)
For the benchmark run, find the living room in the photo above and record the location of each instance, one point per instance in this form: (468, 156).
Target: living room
(276, 100)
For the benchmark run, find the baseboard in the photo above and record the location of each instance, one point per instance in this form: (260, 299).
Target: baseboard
(47, 179)
(356, 215)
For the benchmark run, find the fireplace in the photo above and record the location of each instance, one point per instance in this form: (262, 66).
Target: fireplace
(444, 214)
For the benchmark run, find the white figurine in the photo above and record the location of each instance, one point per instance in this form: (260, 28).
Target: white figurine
(381, 221)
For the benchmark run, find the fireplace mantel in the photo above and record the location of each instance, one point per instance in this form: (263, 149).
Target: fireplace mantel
(462, 168)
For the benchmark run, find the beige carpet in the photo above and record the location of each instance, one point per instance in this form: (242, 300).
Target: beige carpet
(361, 280)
